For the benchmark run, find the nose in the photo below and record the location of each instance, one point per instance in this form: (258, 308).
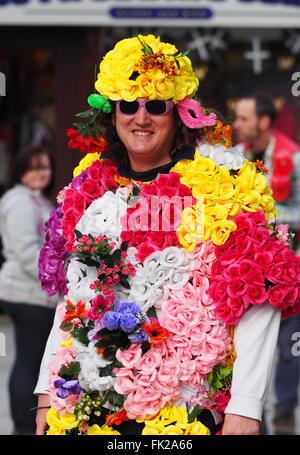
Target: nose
(142, 117)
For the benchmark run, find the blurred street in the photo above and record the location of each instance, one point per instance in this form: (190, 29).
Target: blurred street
(6, 361)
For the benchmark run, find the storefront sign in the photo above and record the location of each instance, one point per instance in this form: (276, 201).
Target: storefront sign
(195, 13)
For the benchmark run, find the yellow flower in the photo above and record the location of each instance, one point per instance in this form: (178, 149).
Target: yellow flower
(60, 423)
(127, 73)
(106, 430)
(220, 231)
(197, 428)
(85, 163)
(68, 342)
(172, 430)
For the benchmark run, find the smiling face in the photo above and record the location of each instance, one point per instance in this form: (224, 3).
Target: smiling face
(38, 176)
(147, 138)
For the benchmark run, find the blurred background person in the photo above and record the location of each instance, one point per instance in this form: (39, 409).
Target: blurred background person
(24, 208)
(256, 135)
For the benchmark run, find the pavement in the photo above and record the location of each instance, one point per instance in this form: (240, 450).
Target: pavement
(7, 352)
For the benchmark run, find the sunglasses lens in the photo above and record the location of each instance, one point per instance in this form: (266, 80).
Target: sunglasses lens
(128, 107)
(156, 107)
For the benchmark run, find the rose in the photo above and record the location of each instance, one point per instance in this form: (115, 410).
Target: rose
(255, 294)
(122, 306)
(129, 357)
(149, 361)
(128, 322)
(90, 189)
(111, 320)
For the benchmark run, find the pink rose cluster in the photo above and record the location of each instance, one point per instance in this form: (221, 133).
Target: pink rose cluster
(148, 381)
(64, 356)
(253, 266)
(151, 224)
(98, 178)
(198, 338)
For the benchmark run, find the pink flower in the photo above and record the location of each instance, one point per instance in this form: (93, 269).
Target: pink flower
(149, 361)
(131, 356)
(100, 305)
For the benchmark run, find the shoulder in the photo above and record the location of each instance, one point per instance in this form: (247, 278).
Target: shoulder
(17, 197)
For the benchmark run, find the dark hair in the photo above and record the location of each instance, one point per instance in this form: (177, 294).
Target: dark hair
(264, 106)
(23, 161)
(184, 138)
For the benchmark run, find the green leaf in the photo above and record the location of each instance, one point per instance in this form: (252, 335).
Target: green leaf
(194, 413)
(78, 234)
(81, 334)
(66, 327)
(86, 114)
(185, 53)
(69, 372)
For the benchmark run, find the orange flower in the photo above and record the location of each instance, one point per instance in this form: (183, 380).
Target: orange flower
(78, 312)
(260, 165)
(156, 332)
(116, 419)
(220, 134)
(122, 181)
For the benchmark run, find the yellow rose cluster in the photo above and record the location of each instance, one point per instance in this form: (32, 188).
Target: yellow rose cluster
(220, 196)
(85, 163)
(173, 420)
(126, 72)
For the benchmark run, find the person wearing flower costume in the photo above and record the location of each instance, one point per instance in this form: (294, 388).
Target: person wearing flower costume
(176, 272)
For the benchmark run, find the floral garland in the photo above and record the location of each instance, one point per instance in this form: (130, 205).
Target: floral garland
(153, 294)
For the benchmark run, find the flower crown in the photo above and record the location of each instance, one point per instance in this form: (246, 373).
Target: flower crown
(143, 66)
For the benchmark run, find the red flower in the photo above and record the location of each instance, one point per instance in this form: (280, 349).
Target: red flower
(76, 312)
(86, 145)
(156, 332)
(116, 419)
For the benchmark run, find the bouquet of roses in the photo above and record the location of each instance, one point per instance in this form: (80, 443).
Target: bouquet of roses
(254, 266)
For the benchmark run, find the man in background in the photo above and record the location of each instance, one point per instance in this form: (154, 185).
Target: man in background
(255, 135)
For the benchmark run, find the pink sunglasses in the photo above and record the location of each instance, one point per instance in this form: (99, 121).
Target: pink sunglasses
(152, 107)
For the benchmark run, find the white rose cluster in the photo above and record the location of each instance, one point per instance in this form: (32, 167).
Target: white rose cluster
(231, 159)
(90, 364)
(160, 272)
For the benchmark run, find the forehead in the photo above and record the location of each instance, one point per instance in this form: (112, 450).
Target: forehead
(246, 108)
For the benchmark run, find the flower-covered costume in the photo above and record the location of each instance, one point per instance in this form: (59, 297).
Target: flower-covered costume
(158, 274)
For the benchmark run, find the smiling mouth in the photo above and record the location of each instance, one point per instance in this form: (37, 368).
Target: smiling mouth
(142, 133)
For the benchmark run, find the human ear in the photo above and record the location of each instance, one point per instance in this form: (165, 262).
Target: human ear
(264, 122)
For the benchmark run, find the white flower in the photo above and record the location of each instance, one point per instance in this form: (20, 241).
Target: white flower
(80, 277)
(103, 216)
(160, 272)
(90, 363)
(231, 159)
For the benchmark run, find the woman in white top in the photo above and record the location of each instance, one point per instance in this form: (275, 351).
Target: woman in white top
(23, 212)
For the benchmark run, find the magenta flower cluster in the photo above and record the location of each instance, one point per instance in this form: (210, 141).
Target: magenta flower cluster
(53, 256)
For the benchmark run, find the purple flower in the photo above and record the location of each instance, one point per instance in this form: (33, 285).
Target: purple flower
(78, 181)
(93, 334)
(111, 320)
(53, 256)
(65, 388)
(122, 306)
(128, 322)
(138, 337)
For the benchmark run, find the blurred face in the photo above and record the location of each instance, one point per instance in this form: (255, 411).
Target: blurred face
(246, 124)
(146, 136)
(39, 175)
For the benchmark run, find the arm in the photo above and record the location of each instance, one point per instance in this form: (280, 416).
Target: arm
(21, 232)
(255, 342)
(54, 340)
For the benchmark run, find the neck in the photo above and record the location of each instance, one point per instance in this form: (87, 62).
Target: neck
(142, 164)
(261, 143)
